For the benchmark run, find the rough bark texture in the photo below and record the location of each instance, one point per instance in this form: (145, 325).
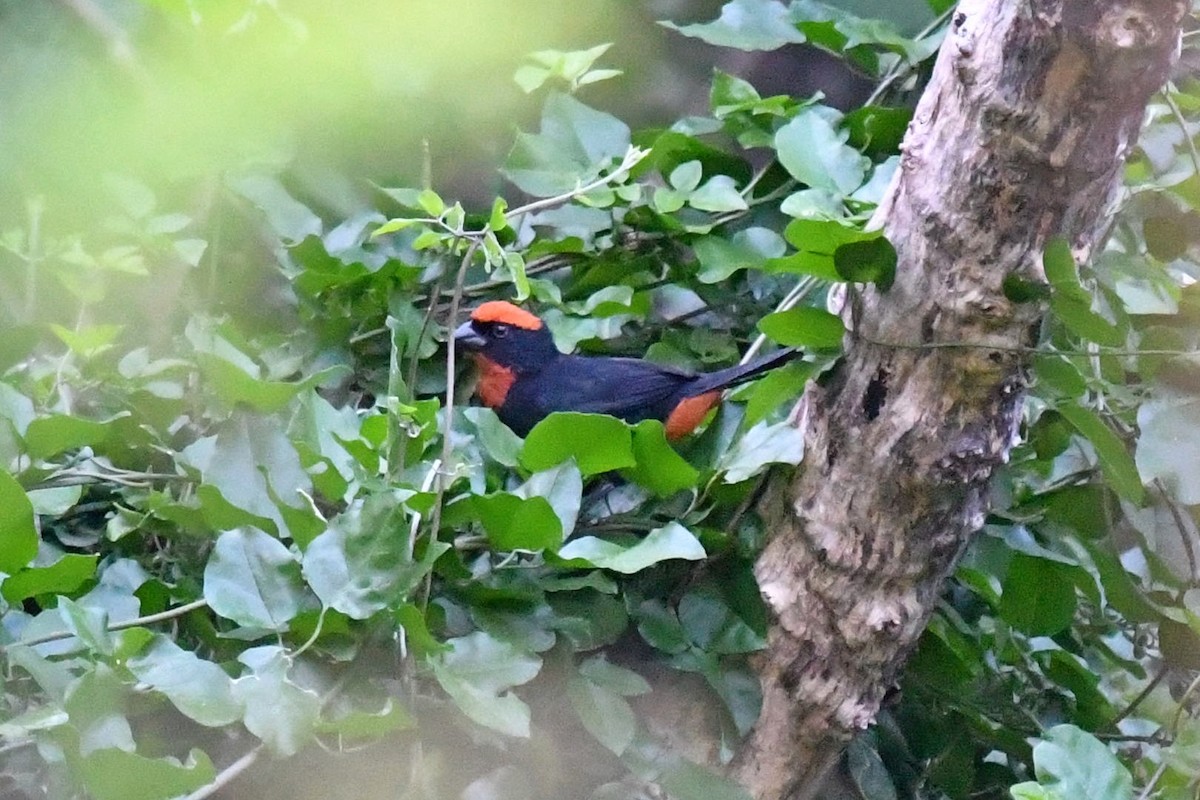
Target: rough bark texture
(1020, 136)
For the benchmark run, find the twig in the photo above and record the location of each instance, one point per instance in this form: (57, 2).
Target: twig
(1141, 697)
(632, 157)
(1154, 779)
(800, 291)
(1184, 531)
(1187, 136)
(435, 521)
(903, 67)
(226, 775)
(149, 619)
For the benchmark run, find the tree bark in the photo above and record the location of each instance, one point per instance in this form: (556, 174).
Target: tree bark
(1020, 136)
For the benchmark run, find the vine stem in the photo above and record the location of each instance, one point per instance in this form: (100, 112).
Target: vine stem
(801, 290)
(1154, 779)
(1182, 123)
(150, 619)
(903, 67)
(225, 776)
(632, 158)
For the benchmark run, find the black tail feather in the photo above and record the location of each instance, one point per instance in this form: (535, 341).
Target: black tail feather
(732, 376)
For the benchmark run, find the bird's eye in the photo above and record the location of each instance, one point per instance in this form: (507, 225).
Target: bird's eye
(500, 331)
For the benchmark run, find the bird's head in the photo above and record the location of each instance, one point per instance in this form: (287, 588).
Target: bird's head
(507, 336)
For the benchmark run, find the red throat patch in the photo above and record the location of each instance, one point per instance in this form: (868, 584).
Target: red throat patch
(494, 381)
(506, 313)
(689, 413)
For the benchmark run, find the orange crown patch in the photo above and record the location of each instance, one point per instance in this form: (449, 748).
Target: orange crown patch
(506, 313)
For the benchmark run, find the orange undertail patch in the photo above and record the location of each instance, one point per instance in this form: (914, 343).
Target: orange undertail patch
(686, 416)
(494, 381)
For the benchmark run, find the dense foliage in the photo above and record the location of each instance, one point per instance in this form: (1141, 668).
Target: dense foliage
(244, 534)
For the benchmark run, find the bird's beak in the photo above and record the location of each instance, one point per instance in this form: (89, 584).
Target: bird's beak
(467, 337)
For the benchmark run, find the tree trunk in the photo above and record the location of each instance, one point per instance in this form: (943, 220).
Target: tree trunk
(1020, 136)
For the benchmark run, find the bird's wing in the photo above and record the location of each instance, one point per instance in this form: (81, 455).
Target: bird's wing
(628, 388)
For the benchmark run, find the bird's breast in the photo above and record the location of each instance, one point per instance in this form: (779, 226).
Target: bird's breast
(494, 381)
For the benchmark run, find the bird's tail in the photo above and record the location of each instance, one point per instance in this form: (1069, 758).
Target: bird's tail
(732, 376)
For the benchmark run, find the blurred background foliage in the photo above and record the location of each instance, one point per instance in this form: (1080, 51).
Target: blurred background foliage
(243, 550)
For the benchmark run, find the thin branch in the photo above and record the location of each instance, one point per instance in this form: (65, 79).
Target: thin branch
(901, 68)
(435, 521)
(225, 776)
(1185, 532)
(632, 157)
(801, 290)
(149, 619)
(1187, 136)
(1154, 779)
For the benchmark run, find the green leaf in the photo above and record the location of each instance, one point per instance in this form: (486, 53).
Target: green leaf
(516, 523)
(678, 777)
(498, 440)
(720, 258)
(1032, 791)
(575, 141)
(357, 723)
(88, 342)
(686, 177)
(291, 219)
(598, 443)
(1059, 265)
(824, 236)
(1038, 597)
(1074, 764)
(1082, 321)
(112, 774)
(713, 626)
(199, 689)
(254, 466)
(562, 488)
(804, 327)
(877, 130)
(362, 563)
(603, 712)
(1071, 302)
(782, 385)
(252, 579)
(235, 386)
(600, 671)
(816, 153)
(1060, 374)
(1118, 467)
(18, 535)
(868, 772)
(870, 261)
(64, 576)
(746, 25)
(420, 640)
(659, 468)
(1168, 446)
(761, 446)
(661, 544)
(718, 194)
(57, 433)
(88, 624)
(478, 671)
(431, 203)
(278, 711)
(818, 204)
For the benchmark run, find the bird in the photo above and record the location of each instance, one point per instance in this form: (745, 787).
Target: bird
(524, 377)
